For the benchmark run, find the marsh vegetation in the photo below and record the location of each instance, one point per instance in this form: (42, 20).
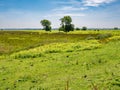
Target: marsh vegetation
(78, 60)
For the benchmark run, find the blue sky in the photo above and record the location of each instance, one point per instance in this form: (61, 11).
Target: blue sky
(90, 13)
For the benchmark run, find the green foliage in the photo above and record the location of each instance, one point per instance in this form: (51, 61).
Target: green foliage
(77, 28)
(116, 28)
(46, 24)
(61, 28)
(69, 27)
(84, 28)
(66, 19)
(48, 28)
(66, 25)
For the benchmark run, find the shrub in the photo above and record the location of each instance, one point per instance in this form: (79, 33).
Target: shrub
(103, 36)
(77, 28)
(52, 51)
(24, 56)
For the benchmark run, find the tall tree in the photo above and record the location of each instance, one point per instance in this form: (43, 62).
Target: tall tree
(66, 24)
(46, 24)
(116, 28)
(84, 28)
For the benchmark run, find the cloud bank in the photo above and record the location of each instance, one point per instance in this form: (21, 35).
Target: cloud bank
(96, 2)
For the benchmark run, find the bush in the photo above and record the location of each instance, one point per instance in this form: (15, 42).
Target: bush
(103, 36)
(52, 51)
(28, 56)
(77, 28)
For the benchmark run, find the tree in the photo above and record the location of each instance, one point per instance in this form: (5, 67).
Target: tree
(77, 28)
(115, 28)
(84, 28)
(61, 29)
(46, 24)
(66, 25)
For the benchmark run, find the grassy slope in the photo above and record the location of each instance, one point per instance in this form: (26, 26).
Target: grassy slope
(14, 41)
(83, 68)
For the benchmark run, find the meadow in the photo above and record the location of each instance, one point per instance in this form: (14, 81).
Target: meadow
(78, 60)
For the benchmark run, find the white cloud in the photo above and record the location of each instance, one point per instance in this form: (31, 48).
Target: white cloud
(70, 8)
(96, 2)
(74, 8)
(65, 14)
(84, 2)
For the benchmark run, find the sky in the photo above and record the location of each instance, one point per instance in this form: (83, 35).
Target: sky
(89, 13)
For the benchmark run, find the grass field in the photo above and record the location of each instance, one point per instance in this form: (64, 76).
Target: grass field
(79, 60)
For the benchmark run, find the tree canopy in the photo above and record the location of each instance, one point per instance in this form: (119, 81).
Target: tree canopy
(66, 24)
(116, 28)
(46, 24)
(84, 28)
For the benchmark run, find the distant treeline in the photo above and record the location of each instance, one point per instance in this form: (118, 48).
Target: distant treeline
(56, 29)
(66, 26)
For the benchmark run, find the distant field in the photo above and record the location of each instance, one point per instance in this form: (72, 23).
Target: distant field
(78, 60)
(14, 41)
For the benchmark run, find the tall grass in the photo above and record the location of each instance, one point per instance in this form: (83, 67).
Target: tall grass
(14, 41)
(59, 61)
(57, 48)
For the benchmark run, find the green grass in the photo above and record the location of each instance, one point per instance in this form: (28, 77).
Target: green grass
(57, 48)
(63, 62)
(14, 41)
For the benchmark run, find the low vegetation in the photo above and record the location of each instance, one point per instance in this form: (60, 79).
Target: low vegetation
(79, 60)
